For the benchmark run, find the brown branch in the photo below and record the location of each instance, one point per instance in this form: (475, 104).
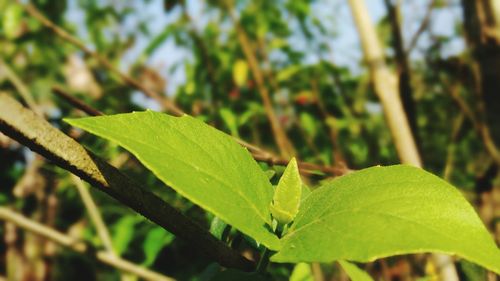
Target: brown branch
(94, 214)
(403, 67)
(330, 122)
(271, 158)
(78, 246)
(386, 86)
(59, 91)
(450, 154)
(425, 22)
(257, 153)
(284, 144)
(480, 126)
(27, 128)
(162, 100)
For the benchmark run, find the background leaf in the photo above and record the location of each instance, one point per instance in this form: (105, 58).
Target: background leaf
(361, 216)
(354, 272)
(123, 233)
(201, 163)
(240, 72)
(156, 239)
(302, 272)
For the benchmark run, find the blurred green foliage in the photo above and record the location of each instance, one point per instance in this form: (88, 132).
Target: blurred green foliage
(329, 111)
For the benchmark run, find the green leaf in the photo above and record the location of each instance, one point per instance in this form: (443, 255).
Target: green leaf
(201, 163)
(302, 272)
(155, 240)
(123, 233)
(309, 124)
(233, 274)
(159, 39)
(472, 272)
(240, 72)
(12, 21)
(287, 73)
(384, 211)
(287, 195)
(354, 272)
(217, 227)
(230, 120)
(270, 174)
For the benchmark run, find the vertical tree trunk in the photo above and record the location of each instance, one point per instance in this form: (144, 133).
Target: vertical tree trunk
(482, 30)
(386, 88)
(403, 67)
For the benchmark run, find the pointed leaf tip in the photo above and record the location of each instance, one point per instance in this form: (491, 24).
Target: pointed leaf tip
(287, 196)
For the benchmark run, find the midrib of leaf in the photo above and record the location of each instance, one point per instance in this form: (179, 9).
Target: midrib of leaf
(223, 170)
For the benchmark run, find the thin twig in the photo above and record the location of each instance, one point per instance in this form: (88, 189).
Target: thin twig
(162, 100)
(64, 35)
(257, 153)
(450, 155)
(36, 133)
(78, 246)
(167, 104)
(421, 28)
(479, 125)
(94, 214)
(58, 90)
(20, 86)
(284, 144)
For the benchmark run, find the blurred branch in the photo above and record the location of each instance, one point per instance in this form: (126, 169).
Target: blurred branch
(450, 155)
(24, 126)
(205, 56)
(270, 158)
(423, 26)
(85, 195)
(95, 216)
(284, 144)
(403, 67)
(78, 246)
(386, 88)
(330, 122)
(163, 101)
(59, 91)
(20, 87)
(479, 124)
(257, 153)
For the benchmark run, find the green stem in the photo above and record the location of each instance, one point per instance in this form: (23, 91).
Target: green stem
(264, 261)
(225, 233)
(266, 253)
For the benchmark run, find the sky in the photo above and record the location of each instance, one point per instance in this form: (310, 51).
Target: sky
(345, 44)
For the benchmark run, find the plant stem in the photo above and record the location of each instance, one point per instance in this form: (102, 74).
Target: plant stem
(264, 261)
(266, 253)
(225, 233)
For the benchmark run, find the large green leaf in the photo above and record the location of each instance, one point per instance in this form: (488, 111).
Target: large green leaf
(384, 211)
(201, 163)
